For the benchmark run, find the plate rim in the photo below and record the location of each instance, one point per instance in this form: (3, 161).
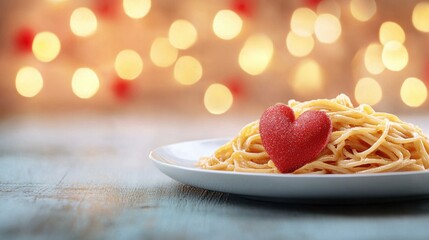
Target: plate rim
(157, 159)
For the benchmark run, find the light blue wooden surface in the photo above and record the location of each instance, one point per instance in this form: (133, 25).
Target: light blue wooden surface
(89, 177)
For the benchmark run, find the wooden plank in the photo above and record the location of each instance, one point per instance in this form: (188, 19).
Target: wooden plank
(90, 178)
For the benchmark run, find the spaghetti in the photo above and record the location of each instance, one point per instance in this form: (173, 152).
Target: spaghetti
(362, 141)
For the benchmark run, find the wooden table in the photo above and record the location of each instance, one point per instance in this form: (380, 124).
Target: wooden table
(88, 176)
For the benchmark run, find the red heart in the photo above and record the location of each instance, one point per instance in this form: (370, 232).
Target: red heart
(293, 143)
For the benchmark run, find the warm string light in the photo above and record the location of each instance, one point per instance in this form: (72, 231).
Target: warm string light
(256, 54)
(373, 61)
(83, 22)
(46, 46)
(368, 91)
(187, 70)
(218, 98)
(162, 53)
(128, 64)
(227, 24)
(254, 57)
(363, 10)
(327, 28)
(182, 34)
(391, 31)
(420, 17)
(302, 22)
(299, 46)
(28, 82)
(394, 56)
(136, 8)
(85, 83)
(307, 78)
(413, 92)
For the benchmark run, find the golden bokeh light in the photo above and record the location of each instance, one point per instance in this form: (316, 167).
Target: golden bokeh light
(420, 17)
(363, 10)
(391, 31)
(256, 54)
(128, 64)
(83, 22)
(329, 6)
(187, 70)
(302, 22)
(368, 91)
(136, 8)
(373, 62)
(218, 99)
(308, 78)
(413, 92)
(394, 56)
(299, 46)
(182, 34)
(327, 28)
(227, 24)
(85, 83)
(162, 53)
(46, 46)
(28, 82)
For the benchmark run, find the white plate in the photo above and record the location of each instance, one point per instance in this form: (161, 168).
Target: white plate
(178, 162)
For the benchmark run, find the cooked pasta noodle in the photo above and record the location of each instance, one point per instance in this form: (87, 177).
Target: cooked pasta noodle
(362, 141)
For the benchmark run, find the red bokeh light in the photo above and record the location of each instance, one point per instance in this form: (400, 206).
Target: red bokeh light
(23, 39)
(122, 89)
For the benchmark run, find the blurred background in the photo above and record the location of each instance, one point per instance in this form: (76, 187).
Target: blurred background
(211, 57)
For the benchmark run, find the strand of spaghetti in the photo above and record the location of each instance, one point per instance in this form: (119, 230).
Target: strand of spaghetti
(353, 163)
(377, 143)
(390, 167)
(425, 156)
(341, 136)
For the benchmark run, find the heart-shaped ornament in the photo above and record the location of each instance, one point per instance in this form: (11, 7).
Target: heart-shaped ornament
(293, 143)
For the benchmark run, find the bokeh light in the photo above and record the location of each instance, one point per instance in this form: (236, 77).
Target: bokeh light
(85, 83)
(373, 62)
(256, 54)
(28, 82)
(46, 46)
(182, 34)
(308, 78)
(413, 92)
(363, 10)
(218, 99)
(394, 56)
(83, 22)
(128, 64)
(23, 39)
(187, 70)
(162, 53)
(420, 17)
(391, 31)
(327, 28)
(136, 8)
(299, 46)
(302, 22)
(227, 24)
(368, 91)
